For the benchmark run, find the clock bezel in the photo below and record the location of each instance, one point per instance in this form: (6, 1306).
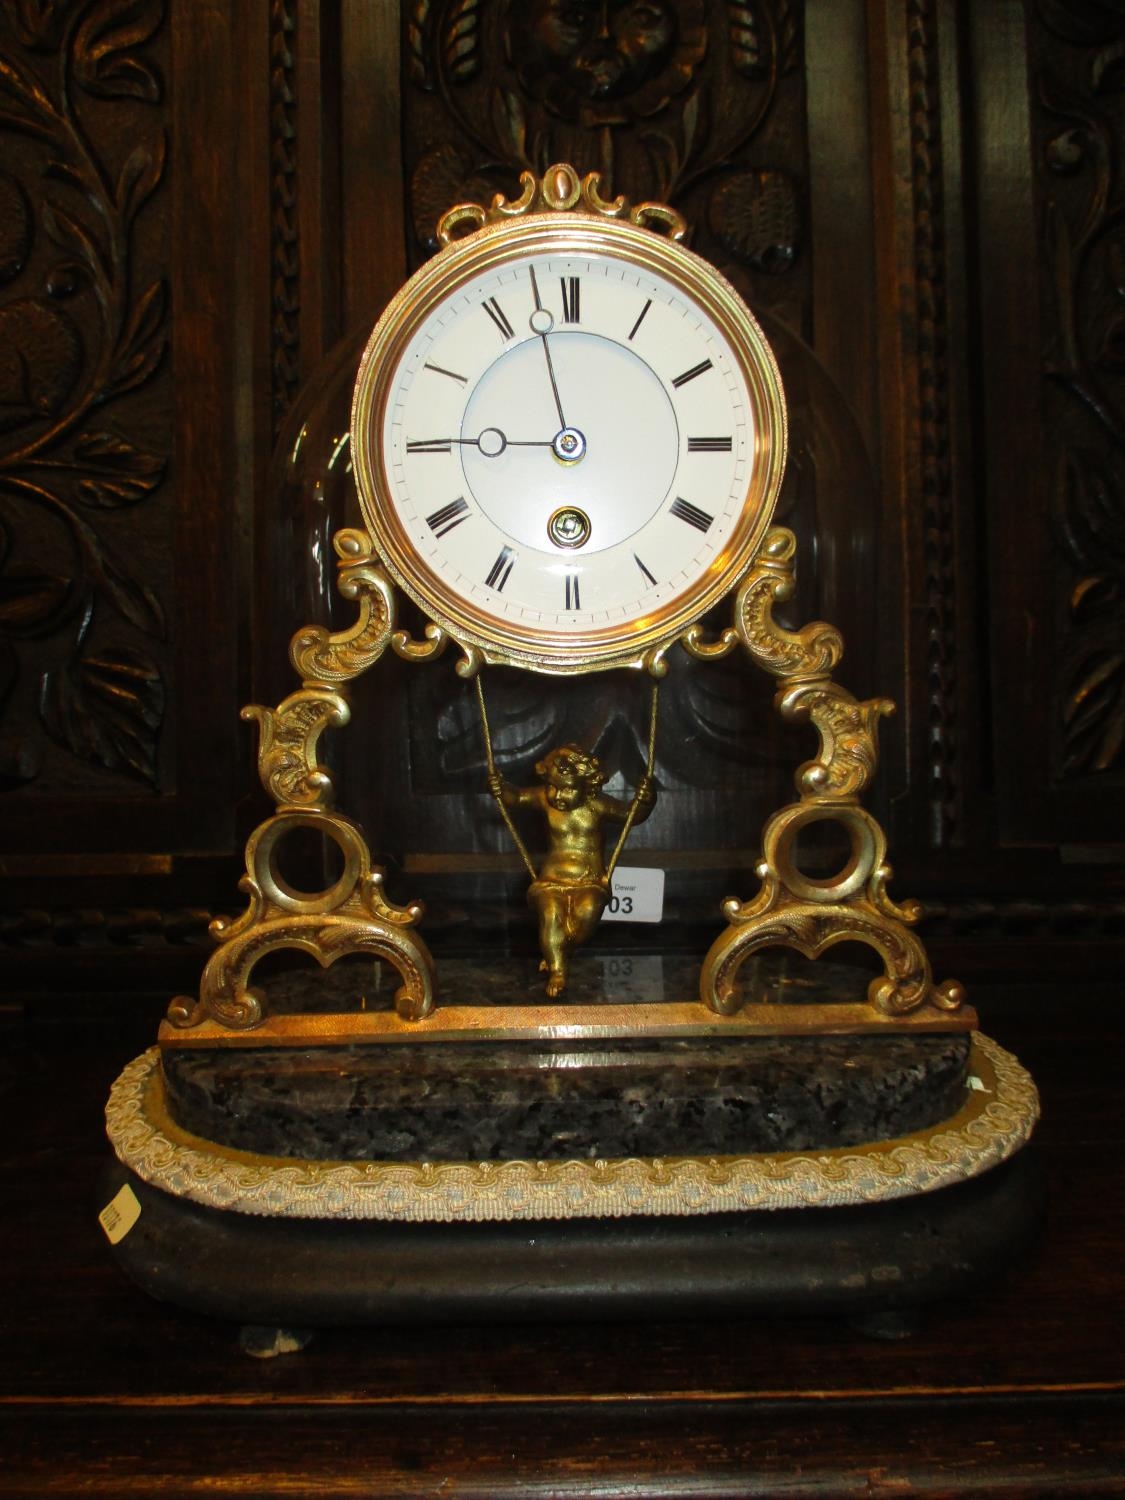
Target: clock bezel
(634, 642)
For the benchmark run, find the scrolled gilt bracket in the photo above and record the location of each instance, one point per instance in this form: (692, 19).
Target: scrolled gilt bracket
(791, 908)
(318, 655)
(352, 915)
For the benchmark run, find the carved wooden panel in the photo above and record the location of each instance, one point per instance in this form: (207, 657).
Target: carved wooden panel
(1077, 79)
(1053, 428)
(683, 101)
(84, 401)
(120, 445)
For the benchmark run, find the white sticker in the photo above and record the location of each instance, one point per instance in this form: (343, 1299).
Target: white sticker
(636, 895)
(119, 1215)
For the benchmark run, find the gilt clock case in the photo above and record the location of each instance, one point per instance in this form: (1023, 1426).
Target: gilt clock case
(657, 558)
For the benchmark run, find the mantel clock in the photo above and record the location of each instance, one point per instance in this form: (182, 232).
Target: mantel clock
(568, 436)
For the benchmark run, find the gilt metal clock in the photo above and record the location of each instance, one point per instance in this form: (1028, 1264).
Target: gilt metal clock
(568, 435)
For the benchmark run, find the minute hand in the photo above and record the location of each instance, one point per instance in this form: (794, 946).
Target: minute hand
(542, 325)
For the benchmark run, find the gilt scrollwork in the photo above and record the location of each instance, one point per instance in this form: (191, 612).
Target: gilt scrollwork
(810, 930)
(848, 729)
(433, 643)
(353, 915)
(792, 908)
(813, 651)
(287, 741)
(696, 643)
(319, 655)
(562, 190)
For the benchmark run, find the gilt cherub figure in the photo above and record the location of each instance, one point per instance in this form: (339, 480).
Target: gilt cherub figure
(572, 886)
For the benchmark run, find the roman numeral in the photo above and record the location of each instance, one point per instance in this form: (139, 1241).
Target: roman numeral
(709, 445)
(641, 319)
(437, 369)
(572, 598)
(444, 520)
(691, 374)
(498, 574)
(644, 570)
(430, 445)
(496, 313)
(569, 286)
(684, 510)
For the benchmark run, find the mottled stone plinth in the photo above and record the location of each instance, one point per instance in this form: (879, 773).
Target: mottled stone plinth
(486, 1101)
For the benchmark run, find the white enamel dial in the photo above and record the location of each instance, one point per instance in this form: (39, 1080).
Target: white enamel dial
(563, 446)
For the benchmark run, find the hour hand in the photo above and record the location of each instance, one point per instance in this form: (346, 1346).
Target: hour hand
(490, 444)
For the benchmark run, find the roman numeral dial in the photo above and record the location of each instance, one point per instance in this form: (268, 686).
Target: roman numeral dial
(567, 437)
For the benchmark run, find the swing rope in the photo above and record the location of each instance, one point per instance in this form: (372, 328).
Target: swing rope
(634, 806)
(504, 813)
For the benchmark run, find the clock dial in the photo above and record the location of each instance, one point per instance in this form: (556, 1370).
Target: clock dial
(565, 452)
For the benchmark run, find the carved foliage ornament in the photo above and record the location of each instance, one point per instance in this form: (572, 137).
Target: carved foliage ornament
(662, 94)
(1080, 90)
(81, 328)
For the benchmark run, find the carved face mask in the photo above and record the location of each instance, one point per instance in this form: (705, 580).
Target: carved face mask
(603, 61)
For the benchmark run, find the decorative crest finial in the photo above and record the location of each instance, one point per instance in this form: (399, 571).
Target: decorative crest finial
(560, 190)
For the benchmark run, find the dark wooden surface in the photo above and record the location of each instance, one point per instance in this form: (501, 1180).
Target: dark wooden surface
(1021, 1391)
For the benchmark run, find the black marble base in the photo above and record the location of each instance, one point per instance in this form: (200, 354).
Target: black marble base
(876, 1262)
(486, 1101)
